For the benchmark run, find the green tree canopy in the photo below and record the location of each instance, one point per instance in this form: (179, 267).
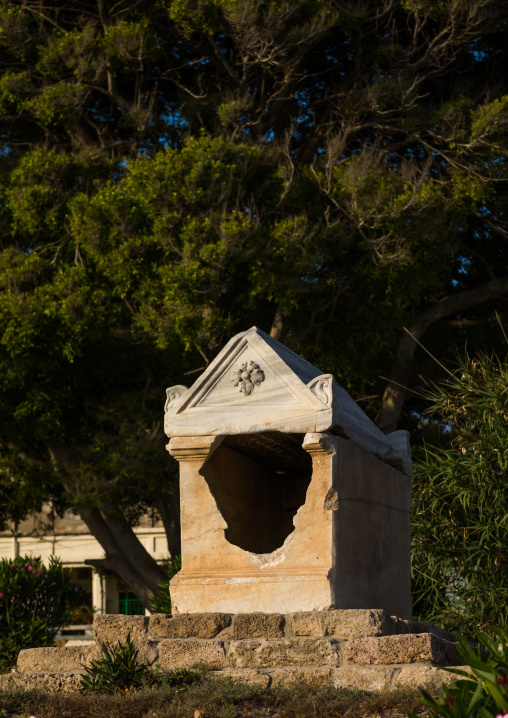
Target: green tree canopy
(175, 172)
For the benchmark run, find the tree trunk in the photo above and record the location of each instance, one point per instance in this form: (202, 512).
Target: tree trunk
(395, 393)
(277, 327)
(131, 546)
(115, 558)
(124, 552)
(168, 506)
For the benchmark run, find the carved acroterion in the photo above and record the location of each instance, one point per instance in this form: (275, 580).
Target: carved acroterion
(172, 394)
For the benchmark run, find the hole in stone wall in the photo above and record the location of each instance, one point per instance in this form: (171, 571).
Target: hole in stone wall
(259, 481)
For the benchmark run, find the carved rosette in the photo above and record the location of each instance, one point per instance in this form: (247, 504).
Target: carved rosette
(247, 376)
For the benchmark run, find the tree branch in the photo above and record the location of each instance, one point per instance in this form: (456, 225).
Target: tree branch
(394, 394)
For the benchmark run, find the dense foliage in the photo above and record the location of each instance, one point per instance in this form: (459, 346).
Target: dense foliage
(460, 502)
(34, 602)
(174, 172)
(480, 693)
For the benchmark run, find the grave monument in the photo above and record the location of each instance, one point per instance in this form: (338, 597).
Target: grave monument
(291, 498)
(295, 540)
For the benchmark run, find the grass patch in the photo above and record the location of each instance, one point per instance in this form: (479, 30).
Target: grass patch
(214, 698)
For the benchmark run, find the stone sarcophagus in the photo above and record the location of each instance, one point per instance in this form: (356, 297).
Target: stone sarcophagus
(291, 498)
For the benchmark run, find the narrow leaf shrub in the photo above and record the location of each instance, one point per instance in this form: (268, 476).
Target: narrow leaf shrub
(482, 694)
(34, 603)
(118, 670)
(460, 503)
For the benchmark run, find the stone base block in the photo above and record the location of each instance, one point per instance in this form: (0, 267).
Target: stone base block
(52, 682)
(57, 659)
(350, 648)
(112, 628)
(189, 625)
(399, 649)
(187, 652)
(317, 677)
(364, 678)
(279, 653)
(341, 623)
(338, 623)
(352, 677)
(258, 625)
(250, 677)
(248, 594)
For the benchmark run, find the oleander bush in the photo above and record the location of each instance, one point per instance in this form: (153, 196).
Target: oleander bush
(459, 509)
(483, 693)
(35, 600)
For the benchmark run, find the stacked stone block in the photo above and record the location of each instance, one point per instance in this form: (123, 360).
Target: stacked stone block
(362, 649)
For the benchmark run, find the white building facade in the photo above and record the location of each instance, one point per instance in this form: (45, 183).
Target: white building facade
(69, 540)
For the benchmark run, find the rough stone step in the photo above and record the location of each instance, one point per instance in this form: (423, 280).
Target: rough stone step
(399, 649)
(50, 681)
(341, 624)
(70, 658)
(175, 653)
(282, 652)
(258, 653)
(367, 678)
(67, 658)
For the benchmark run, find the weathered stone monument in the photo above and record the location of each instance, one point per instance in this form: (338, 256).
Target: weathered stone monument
(291, 498)
(295, 540)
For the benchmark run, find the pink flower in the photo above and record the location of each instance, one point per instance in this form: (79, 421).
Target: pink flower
(46, 576)
(12, 565)
(1, 595)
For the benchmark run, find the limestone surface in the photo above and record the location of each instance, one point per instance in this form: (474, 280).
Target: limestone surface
(66, 682)
(275, 653)
(176, 653)
(258, 625)
(426, 627)
(57, 659)
(399, 649)
(314, 676)
(278, 468)
(111, 628)
(352, 623)
(421, 675)
(189, 625)
(248, 676)
(148, 652)
(364, 678)
(337, 648)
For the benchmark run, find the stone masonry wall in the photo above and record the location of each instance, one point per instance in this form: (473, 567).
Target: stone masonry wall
(364, 649)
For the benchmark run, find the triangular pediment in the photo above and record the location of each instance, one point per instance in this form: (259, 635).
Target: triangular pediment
(257, 385)
(249, 375)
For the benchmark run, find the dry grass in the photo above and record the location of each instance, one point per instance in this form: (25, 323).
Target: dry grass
(215, 698)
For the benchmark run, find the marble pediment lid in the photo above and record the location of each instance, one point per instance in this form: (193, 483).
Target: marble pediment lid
(256, 384)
